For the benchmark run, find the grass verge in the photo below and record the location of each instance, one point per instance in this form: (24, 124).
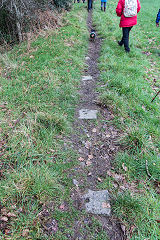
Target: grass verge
(130, 81)
(38, 95)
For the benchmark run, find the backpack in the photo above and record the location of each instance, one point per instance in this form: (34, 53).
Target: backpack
(130, 8)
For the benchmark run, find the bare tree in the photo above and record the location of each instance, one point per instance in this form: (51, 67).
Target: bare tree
(18, 11)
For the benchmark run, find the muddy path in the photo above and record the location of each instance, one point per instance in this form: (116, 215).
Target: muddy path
(95, 140)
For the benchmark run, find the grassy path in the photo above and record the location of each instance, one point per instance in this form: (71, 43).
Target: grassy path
(130, 82)
(45, 163)
(95, 142)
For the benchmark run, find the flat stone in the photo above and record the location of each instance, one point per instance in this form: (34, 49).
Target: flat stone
(82, 164)
(75, 182)
(98, 202)
(86, 78)
(87, 114)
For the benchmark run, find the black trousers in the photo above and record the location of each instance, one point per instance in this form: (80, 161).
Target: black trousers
(125, 38)
(90, 4)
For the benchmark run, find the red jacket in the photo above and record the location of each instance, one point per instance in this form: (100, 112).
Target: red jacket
(126, 21)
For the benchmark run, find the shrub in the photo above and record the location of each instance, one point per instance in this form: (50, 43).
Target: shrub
(16, 17)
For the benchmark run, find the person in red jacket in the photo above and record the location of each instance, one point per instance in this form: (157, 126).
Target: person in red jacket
(126, 23)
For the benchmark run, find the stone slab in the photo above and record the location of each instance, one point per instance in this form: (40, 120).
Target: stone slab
(98, 202)
(86, 78)
(75, 182)
(87, 114)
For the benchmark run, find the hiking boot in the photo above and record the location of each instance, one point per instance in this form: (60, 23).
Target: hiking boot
(101, 8)
(120, 43)
(127, 49)
(104, 9)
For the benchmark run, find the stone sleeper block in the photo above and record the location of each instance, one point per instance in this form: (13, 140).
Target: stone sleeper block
(86, 78)
(87, 114)
(99, 202)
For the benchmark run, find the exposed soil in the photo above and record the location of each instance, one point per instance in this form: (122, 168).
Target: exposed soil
(96, 143)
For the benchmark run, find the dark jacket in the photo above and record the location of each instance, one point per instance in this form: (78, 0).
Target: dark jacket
(158, 17)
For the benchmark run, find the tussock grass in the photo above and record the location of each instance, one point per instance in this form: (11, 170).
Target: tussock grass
(4, 60)
(34, 181)
(130, 81)
(140, 220)
(38, 95)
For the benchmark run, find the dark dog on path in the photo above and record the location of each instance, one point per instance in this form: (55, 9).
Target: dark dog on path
(92, 35)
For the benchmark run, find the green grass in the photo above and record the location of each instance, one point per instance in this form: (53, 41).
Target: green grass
(38, 88)
(130, 82)
(142, 220)
(38, 97)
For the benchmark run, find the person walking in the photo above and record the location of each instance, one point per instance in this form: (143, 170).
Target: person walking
(127, 10)
(158, 18)
(103, 4)
(90, 4)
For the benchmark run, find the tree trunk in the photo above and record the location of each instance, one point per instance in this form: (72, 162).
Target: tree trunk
(20, 38)
(18, 17)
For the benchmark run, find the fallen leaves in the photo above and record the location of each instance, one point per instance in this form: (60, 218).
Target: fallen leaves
(117, 177)
(106, 205)
(4, 219)
(62, 207)
(81, 159)
(123, 228)
(7, 232)
(88, 163)
(7, 218)
(90, 156)
(20, 210)
(68, 43)
(4, 211)
(147, 53)
(94, 130)
(87, 144)
(43, 214)
(99, 179)
(25, 233)
(11, 215)
(108, 136)
(49, 224)
(6, 215)
(124, 167)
